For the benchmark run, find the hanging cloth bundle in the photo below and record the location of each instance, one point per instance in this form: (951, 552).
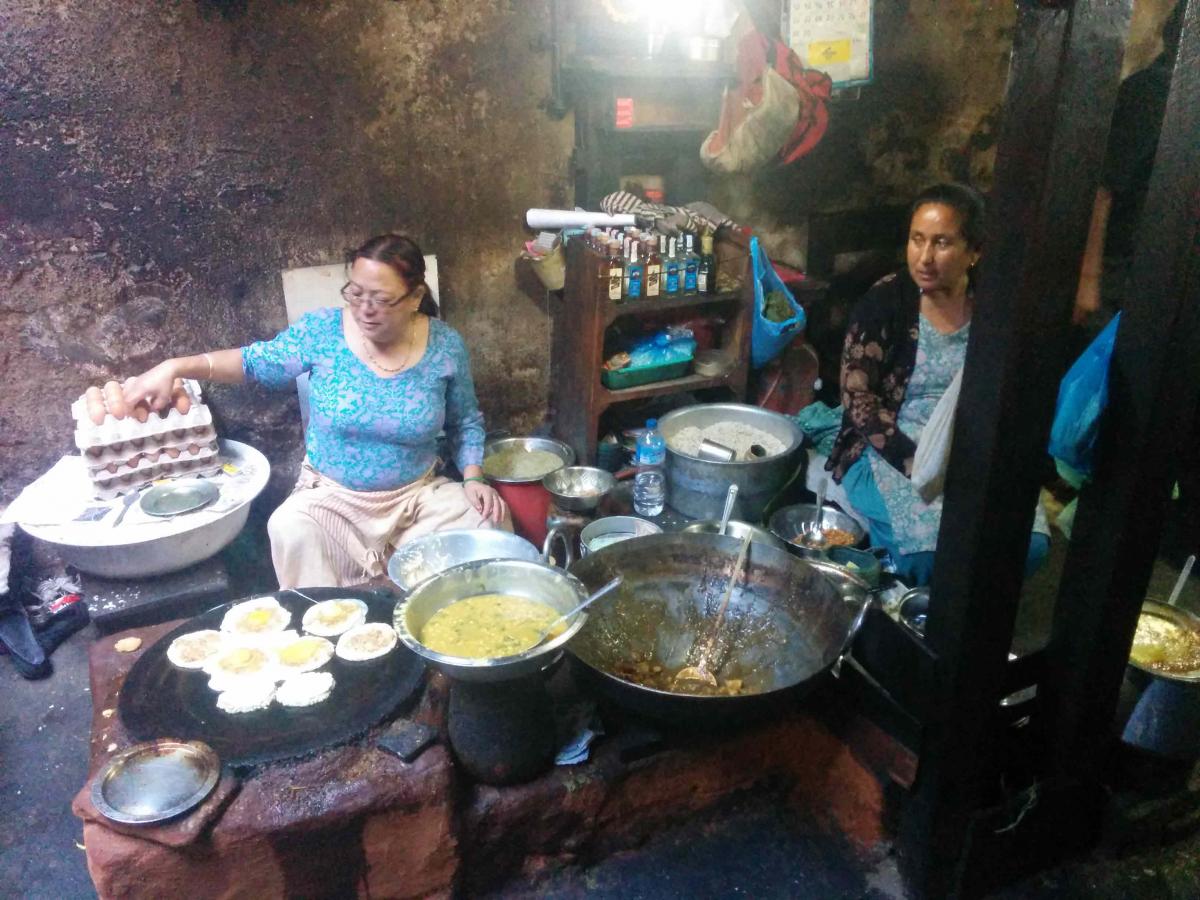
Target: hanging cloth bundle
(778, 109)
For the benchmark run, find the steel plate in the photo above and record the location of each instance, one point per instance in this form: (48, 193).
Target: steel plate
(179, 497)
(159, 700)
(156, 781)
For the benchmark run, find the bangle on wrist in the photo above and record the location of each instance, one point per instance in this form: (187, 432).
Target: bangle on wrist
(208, 359)
(478, 478)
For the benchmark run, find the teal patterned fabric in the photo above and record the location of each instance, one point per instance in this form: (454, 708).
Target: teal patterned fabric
(366, 431)
(939, 357)
(914, 522)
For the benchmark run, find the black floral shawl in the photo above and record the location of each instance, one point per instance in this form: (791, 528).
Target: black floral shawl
(877, 361)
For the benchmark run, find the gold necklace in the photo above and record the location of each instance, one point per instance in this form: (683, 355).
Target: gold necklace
(407, 352)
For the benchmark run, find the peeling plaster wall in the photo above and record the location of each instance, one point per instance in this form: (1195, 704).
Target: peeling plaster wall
(929, 115)
(160, 163)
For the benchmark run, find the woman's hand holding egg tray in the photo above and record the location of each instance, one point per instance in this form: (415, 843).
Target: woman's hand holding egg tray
(111, 400)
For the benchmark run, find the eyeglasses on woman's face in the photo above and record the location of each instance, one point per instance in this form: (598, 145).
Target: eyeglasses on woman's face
(357, 297)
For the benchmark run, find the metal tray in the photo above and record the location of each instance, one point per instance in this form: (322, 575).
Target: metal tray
(179, 497)
(156, 781)
(158, 699)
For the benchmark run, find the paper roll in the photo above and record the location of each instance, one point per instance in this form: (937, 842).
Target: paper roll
(573, 218)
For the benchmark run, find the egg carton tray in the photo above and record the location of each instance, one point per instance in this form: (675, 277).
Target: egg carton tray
(106, 485)
(113, 431)
(153, 447)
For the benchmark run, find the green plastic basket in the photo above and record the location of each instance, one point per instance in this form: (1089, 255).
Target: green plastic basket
(617, 379)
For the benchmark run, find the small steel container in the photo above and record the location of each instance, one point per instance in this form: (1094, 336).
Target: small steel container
(735, 529)
(612, 529)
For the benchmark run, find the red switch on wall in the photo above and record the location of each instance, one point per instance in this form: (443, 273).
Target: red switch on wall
(624, 112)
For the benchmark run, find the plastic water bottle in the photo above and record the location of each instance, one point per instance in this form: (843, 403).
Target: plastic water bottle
(650, 484)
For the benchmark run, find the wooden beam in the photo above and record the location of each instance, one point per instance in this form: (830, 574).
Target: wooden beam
(1059, 99)
(1153, 383)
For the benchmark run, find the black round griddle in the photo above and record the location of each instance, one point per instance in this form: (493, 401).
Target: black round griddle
(160, 700)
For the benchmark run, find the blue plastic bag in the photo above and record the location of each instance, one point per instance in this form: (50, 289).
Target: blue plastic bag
(673, 344)
(768, 339)
(1082, 396)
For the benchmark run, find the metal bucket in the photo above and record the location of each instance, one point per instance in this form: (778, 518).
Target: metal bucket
(528, 501)
(697, 487)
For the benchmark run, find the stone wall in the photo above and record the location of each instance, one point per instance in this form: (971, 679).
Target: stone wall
(160, 163)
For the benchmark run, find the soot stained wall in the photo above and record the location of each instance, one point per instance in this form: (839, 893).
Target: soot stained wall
(160, 163)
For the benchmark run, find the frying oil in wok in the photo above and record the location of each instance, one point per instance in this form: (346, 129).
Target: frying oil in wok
(487, 626)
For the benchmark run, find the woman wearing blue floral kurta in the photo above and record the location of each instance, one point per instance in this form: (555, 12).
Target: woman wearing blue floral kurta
(384, 381)
(906, 341)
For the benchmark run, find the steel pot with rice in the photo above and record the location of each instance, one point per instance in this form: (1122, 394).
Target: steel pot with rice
(766, 451)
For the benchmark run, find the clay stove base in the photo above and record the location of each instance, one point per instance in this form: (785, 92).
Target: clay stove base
(355, 820)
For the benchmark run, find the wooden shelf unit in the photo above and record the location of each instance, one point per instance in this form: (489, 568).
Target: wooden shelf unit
(582, 315)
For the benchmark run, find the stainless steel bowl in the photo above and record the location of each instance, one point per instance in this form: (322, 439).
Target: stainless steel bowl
(793, 522)
(531, 580)
(612, 529)
(697, 487)
(425, 557)
(558, 448)
(579, 488)
(735, 529)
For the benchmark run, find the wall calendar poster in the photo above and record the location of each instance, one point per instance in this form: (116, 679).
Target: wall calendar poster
(833, 36)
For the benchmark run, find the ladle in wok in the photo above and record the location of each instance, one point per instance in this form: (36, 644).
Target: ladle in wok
(728, 511)
(596, 595)
(697, 676)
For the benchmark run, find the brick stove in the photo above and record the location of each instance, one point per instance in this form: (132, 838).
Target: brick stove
(356, 820)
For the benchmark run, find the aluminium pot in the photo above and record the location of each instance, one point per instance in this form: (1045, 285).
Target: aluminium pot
(697, 487)
(1159, 712)
(789, 621)
(522, 578)
(427, 556)
(528, 500)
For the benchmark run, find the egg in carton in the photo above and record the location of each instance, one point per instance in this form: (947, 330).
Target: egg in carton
(171, 443)
(121, 478)
(107, 429)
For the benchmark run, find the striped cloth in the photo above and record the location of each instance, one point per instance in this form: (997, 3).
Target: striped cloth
(325, 534)
(695, 217)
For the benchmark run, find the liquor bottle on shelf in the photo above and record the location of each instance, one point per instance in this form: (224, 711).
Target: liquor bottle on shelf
(616, 271)
(633, 274)
(653, 271)
(706, 275)
(673, 277)
(689, 263)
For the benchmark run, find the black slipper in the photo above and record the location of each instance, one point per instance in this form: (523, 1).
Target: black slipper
(27, 655)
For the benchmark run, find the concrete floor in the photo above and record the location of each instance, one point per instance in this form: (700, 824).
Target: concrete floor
(752, 847)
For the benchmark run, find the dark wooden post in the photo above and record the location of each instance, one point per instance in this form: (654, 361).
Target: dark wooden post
(1065, 67)
(1153, 386)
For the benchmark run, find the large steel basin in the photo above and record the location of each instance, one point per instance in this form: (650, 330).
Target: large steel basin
(697, 487)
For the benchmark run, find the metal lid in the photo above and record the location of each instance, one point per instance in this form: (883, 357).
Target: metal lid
(156, 781)
(178, 497)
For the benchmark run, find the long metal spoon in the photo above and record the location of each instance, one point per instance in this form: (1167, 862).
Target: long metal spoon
(692, 677)
(1183, 577)
(816, 537)
(730, 498)
(592, 598)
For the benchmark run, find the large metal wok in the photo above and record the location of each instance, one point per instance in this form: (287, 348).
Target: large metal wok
(788, 621)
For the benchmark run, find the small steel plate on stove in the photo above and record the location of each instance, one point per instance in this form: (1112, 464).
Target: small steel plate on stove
(181, 497)
(156, 781)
